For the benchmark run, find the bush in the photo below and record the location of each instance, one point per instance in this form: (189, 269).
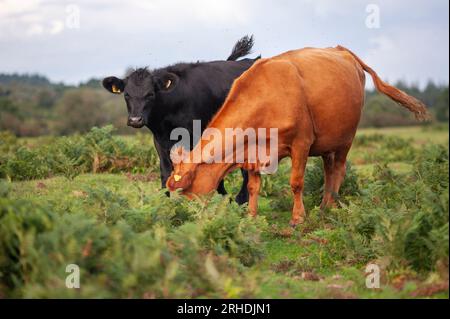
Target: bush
(25, 164)
(153, 250)
(97, 151)
(383, 148)
(405, 217)
(399, 221)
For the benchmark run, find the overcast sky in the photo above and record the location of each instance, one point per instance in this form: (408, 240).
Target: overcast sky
(72, 41)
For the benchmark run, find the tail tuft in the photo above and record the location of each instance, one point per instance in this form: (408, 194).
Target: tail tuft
(241, 48)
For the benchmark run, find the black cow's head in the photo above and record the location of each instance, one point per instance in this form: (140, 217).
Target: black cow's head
(141, 89)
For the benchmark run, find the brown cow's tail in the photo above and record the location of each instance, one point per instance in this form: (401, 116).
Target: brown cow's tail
(411, 103)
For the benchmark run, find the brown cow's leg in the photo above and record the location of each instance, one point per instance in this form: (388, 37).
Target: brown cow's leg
(299, 158)
(340, 159)
(328, 166)
(253, 186)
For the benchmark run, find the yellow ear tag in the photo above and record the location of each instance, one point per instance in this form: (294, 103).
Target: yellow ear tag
(176, 178)
(115, 89)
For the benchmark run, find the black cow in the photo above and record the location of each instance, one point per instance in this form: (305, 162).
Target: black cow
(171, 97)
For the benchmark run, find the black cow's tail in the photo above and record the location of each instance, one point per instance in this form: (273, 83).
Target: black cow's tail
(241, 48)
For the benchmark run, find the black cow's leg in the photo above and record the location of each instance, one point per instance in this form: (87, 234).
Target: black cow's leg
(164, 178)
(221, 188)
(166, 170)
(242, 197)
(165, 165)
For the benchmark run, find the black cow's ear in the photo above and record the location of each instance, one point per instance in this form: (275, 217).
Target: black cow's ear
(167, 81)
(113, 84)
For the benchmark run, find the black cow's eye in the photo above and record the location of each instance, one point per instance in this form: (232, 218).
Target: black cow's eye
(150, 95)
(127, 96)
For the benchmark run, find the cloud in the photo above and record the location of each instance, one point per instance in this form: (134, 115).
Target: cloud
(332, 8)
(39, 36)
(414, 55)
(35, 29)
(22, 19)
(381, 43)
(56, 27)
(12, 7)
(206, 11)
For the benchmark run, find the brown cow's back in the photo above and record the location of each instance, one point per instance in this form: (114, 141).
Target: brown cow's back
(313, 95)
(333, 84)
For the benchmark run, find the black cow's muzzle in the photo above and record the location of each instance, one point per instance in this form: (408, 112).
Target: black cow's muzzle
(136, 122)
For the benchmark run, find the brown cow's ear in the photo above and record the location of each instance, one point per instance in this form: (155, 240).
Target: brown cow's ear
(167, 81)
(113, 84)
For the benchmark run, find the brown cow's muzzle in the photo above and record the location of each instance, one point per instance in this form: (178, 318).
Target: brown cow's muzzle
(177, 181)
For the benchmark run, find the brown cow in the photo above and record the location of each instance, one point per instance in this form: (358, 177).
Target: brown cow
(314, 97)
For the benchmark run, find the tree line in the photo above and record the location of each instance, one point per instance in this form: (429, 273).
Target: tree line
(32, 105)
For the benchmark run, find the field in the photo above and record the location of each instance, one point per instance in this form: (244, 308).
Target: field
(94, 200)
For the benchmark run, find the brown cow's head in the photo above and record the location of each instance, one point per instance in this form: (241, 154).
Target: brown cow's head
(194, 178)
(183, 172)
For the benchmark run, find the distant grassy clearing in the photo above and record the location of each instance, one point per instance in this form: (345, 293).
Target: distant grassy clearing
(420, 134)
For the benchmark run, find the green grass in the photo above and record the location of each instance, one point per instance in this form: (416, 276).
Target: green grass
(420, 134)
(61, 189)
(319, 259)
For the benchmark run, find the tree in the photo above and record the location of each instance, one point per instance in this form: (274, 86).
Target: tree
(79, 110)
(441, 106)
